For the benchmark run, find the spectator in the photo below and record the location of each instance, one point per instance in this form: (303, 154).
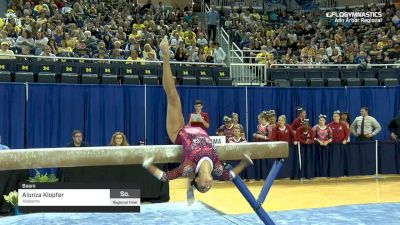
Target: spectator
(77, 138)
(201, 41)
(199, 118)
(323, 133)
(219, 53)
(25, 40)
(301, 115)
(237, 136)
(394, 128)
(46, 51)
(235, 121)
(282, 131)
(148, 50)
(226, 129)
(262, 132)
(365, 127)
(271, 123)
(133, 57)
(340, 131)
(5, 53)
(118, 139)
(304, 134)
(212, 22)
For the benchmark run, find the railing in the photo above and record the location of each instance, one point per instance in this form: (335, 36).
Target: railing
(342, 3)
(83, 60)
(256, 4)
(256, 73)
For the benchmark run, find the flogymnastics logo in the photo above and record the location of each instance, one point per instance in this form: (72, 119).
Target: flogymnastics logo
(355, 17)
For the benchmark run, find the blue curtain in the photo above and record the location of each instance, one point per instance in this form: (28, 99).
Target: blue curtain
(12, 115)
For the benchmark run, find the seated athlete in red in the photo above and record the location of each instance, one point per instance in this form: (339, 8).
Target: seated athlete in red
(200, 157)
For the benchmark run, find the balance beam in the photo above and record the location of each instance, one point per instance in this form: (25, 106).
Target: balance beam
(123, 155)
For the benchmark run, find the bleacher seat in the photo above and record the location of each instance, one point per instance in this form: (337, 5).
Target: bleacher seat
(295, 74)
(330, 74)
(310, 74)
(278, 74)
(282, 83)
(353, 82)
(370, 82)
(46, 72)
(149, 75)
(388, 74)
(186, 76)
(24, 72)
(89, 74)
(108, 74)
(299, 82)
(205, 76)
(222, 76)
(346, 74)
(129, 74)
(390, 82)
(317, 82)
(69, 73)
(333, 82)
(6, 70)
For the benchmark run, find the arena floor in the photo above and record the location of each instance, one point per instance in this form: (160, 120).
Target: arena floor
(347, 201)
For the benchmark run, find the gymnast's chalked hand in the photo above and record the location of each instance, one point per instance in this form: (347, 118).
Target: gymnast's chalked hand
(147, 162)
(190, 195)
(164, 46)
(247, 156)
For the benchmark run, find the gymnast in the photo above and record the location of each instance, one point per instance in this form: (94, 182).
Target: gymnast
(200, 158)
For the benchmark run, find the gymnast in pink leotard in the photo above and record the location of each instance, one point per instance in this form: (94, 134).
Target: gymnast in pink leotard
(200, 159)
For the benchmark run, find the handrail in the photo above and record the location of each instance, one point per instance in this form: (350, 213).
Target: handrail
(237, 49)
(335, 65)
(55, 58)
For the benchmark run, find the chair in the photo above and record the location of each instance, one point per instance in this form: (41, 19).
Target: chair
(205, 76)
(295, 74)
(330, 74)
(387, 74)
(108, 74)
(333, 82)
(6, 70)
(317, 82)
(391, 82)
(310, 74)
(282, 83)
(24, 72)
(69, 73)
(370, 82)
(278, 74)
(89, 74)
(149, 75)
(129, 74)
(353, 82)
(186, 76)
(299, 82)
(222, 76)
(46, 72)
(345, 74)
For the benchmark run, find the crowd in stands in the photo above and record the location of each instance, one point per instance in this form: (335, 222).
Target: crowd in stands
(104, 29)
(291, 37)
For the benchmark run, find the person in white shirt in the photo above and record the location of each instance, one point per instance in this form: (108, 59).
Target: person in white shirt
(175, 40)
(219, 53)
(5, 53)
(201, 41)
(332, 45)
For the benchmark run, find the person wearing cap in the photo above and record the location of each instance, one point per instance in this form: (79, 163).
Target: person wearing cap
(323, 133)
(5, 53)
(199, 118)
(305, 134)
(226, 129)
(340, 131)
(301, 115)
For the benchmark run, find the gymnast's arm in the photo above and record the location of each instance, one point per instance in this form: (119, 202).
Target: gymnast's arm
(181, 170)
(224, 174)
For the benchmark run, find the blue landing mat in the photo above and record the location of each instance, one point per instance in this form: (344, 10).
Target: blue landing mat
(198, 213)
